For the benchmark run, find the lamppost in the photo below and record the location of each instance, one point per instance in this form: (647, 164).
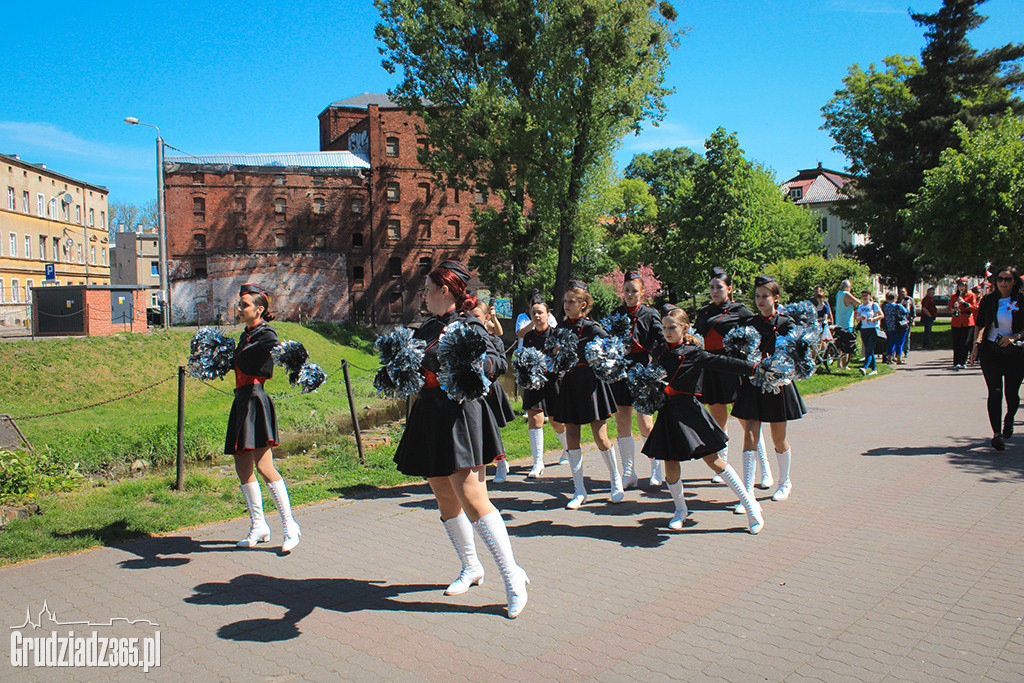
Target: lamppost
(165, 299)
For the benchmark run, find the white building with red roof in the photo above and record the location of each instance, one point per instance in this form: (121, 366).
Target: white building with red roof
(820, 190)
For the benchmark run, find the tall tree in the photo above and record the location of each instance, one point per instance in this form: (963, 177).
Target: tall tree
(126, 217)
(527, 96)
(733, 215)
(893, 125)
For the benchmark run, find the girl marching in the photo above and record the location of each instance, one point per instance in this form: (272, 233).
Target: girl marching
(534, 335)
(497, 399)
(252, 424)
(450, 443)
(644, 333)
(684, 430)
(754, 406)
(583, 399)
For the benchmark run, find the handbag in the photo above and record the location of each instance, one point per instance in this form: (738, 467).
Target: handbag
(880, 333)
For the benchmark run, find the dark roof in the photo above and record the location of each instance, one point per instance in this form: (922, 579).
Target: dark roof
(367, 98)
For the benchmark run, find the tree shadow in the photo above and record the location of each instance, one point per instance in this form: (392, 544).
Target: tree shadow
(973, 454)
(299, 597)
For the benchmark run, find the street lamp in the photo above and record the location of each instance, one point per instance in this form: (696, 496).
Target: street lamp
(165, 303)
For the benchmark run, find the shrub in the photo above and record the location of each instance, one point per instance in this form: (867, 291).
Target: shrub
(24, 474)
(799, 277)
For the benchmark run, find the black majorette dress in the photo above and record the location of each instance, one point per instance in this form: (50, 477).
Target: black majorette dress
(497, 399)
(713, 322)
(537, 399)
(645, 334)
(581, 398)
(752, 403)
(684, 430)
(252, 423)
(443, 436)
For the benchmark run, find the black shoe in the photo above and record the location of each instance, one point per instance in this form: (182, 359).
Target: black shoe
(1007, 429)
(997, 443)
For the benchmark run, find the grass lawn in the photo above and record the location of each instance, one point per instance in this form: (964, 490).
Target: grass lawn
(104, 511)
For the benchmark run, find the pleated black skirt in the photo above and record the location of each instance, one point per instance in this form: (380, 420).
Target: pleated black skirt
(753, 404)
(719, 387)
(581, 398)
(684, 431)
(497, 401)
(252, 423)
(442, 436)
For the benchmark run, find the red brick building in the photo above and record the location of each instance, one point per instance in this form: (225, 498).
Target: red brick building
(347, 232)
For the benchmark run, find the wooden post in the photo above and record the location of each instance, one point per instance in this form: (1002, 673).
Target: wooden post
(352, 411)
(180, 484)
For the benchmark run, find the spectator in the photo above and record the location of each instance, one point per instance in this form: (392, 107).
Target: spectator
(929, 313)
(868, 313)
(821, 307)
(846, 306)
(907, 302)
(962, 307)
(896, 323)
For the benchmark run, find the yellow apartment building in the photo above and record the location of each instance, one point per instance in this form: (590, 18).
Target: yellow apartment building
(47, 218)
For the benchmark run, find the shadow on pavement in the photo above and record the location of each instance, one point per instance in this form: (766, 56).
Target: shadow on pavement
(973, 454)
(154, 552)
(299, 597)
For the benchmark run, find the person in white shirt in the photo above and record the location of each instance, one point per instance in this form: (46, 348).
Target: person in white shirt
(868, 313)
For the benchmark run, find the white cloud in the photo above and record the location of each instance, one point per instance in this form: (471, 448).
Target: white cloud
(667, 135)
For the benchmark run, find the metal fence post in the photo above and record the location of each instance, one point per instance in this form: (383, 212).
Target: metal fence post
(181, 429)
(352, 410)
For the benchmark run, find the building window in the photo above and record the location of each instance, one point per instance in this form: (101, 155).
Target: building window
(198, 242)
(11, 201)
(239, 179)
(154, 268)
(357, 206)
(92, 255)
(53, 207)
(480, 197)
(64, 212)
(796, 193)
(56, 249)
(1, 291)
(199, 208)
(425, 266)
(105, 252)
(319, 206)
(279, 180)
(424, 191)
(197, 178)
(318, 180)
(320, 241)
(78, 214)
(15, 294)
(395, 302)
(280, 206)
(241, 243)
(357, 239)
(81, 255)
(40, 205)
(281, 240)
(421, 143)
(394, 229)
(453, 230)
(103, 218)
(391, 147)
(395, 268)
(240, 205)
(24, 202)
(29, 284)
(357, 275)
(823, 225)
(424, 230)
(28, 247)
(455, 195)
(92, 217)
(42, 247)
(394, 192)
(14, 244)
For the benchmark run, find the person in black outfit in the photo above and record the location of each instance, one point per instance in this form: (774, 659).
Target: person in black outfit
(584, 399)
(534, 335)
(754, 406)
(450, 443)
(684, 430)
(252, 424)
(713, 322)
(497, 399)
(1000, 323)
(644, 333)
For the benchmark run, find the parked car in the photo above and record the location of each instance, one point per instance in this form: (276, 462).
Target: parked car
(942, 304)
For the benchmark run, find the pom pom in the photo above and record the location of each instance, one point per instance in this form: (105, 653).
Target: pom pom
(462, 351)
(801, 345)
(401, 357)
(531, 366)
(211, 354)
(802, 313)
(697, 339)
(647, 384)
(774, 372)
(618, 325)
(310, 377)
(743, 342)
(291, 355)
(562, 350)
(607, 357)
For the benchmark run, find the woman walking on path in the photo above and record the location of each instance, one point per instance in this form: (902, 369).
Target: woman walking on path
(846, 308)
(962, 307)
(644, 333)
(534, 335)
(450, 444)
(252, 424)
(713, 322)
(684, 430)
(754, 406)
(584, 399)
(929, 312)
(907, 302)
(868, 313)
(1000, 326)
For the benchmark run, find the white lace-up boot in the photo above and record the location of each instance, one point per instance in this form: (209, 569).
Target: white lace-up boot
(676, 489)
(579, 496)
(258, 529)
(292, 532)
(785, 486)
(460, 531)
(627, 449)
(614, 480)
(491, 528)
(762, 459)
(755, 522)
(536, 435)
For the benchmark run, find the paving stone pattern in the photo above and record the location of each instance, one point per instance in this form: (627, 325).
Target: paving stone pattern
(897, 557)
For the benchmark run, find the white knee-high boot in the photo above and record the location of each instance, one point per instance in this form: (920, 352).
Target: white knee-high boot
(460, 532)
(500, 471)
(491, 528)
(782, 493)
(755, 522)
(537, 451)
(627, 449)
(279, 492)
(657, 475)
(724, 455)
(749, 463)
(579, 496)
(614, 480)
(676, 489)
(762, 459)
(258, 529)
(563, 459)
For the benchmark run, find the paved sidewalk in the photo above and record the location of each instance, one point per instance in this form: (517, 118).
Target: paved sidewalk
(897, 557)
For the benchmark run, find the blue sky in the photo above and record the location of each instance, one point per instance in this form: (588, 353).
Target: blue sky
(233, 77)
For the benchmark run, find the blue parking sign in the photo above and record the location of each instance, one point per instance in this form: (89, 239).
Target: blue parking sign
(51, 272)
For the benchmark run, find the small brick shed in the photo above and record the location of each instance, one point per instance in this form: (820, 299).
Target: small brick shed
(88, 310)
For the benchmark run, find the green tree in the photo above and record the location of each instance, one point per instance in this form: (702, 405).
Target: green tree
(734, 216)
(971, 208)
(527, 96)
(892, 125)
(799, 277)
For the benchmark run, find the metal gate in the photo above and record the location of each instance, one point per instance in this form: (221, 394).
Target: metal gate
(59, 310)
